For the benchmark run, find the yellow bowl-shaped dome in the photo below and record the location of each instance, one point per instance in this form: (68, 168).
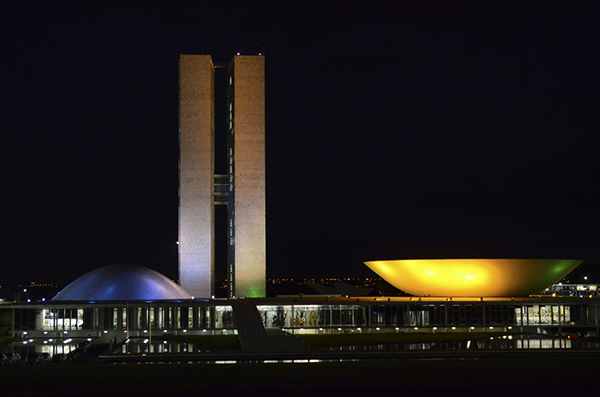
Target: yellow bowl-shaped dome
(473, 277)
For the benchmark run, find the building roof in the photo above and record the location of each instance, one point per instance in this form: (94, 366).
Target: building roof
(473, 277)
(122, 282)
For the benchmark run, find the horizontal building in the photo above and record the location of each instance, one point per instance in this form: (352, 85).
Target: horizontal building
(296, 315)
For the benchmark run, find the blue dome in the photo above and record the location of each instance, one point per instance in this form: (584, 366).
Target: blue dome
(121, 282)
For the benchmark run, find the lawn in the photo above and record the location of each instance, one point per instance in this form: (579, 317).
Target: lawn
(495, 376)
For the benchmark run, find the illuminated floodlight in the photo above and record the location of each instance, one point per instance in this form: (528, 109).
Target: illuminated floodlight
(416, 328)
(453, 327)
(185, 330)
(377, 329)
(434, 327)
(473, 277)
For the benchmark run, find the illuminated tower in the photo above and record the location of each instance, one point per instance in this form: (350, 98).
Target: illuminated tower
(247, 200)
(196, 174)
(242, 189)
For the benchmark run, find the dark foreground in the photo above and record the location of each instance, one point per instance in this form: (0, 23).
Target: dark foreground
(529, 374)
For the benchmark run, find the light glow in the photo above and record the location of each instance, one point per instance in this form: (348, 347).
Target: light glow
(473, 277)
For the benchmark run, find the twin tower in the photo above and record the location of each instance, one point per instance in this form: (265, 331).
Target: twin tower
(242, 189)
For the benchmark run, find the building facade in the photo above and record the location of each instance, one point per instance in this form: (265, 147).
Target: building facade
(58, 327)
(242, 188)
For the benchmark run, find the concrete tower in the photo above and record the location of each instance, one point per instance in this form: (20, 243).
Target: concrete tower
(242, 189)
(247, 200)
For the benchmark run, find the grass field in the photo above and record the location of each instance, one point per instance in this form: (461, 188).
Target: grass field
(531, 376)
(531, 373)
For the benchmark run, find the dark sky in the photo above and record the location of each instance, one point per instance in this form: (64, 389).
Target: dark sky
(408, 129)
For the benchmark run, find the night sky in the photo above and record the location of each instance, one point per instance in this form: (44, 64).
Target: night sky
(415, 129)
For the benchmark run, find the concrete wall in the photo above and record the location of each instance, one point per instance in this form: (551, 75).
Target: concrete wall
(196, 170)
(249, 175)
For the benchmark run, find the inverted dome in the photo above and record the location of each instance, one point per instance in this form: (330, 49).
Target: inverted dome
(473, 277)
(122, 282)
